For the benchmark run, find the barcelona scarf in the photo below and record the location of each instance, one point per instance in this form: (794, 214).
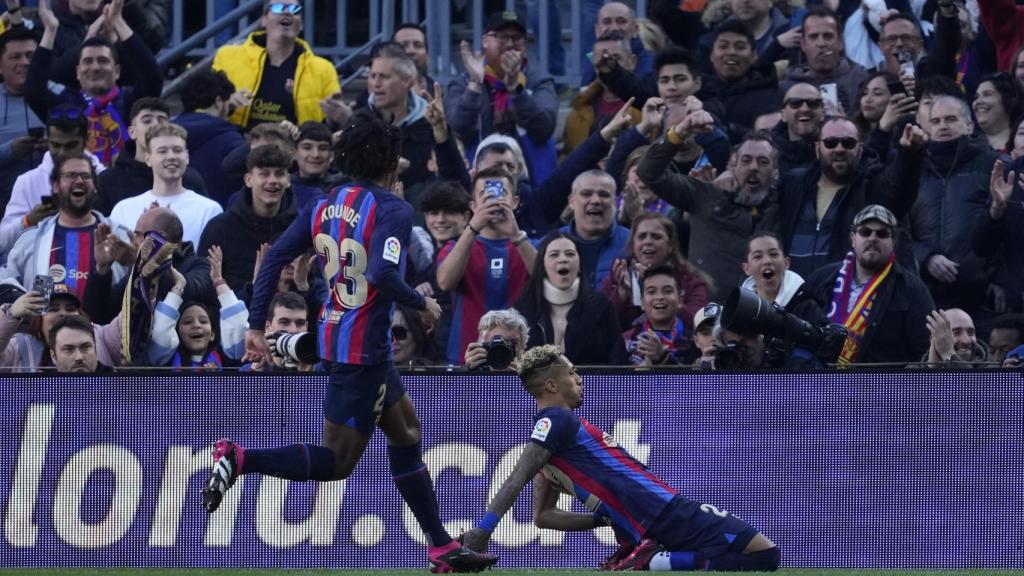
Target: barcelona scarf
(140, 296)
(211, 362)
(501, 91)
(107, 130)
(856, 320)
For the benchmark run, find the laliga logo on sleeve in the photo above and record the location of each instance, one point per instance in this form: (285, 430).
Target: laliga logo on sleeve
(541, 429)
(392, 250)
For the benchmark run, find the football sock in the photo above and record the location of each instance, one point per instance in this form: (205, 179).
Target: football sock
(762, 560)
(677, 560)
(298, 462)
(413, 481)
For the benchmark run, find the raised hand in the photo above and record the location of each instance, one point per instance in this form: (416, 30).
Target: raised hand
(102, 252)
(435, 113)
(512, 64)
(46, 16)
(431, 314)
(473, 62)
(260, 255)
(651, 116)
(335, 109)
(302, 265)
(619, 123)
(913, 138)
(27, 305)
(699, 122)
(216, 259)
(1000, 187)
(791, 38)
(941, 334)
(899, 105)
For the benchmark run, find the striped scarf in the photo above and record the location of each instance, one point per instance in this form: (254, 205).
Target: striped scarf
(501, 91)
(856, 321)
(107, 131)
(140, 297)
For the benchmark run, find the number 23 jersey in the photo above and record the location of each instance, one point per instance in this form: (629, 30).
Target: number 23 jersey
(361, 233)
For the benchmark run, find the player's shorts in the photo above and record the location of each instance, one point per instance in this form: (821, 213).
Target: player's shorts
(689, 525)
(358, 394)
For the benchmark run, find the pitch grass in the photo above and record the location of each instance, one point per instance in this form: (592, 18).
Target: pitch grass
(495, 572)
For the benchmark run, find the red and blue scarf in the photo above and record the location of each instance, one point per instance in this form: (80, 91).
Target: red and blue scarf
(856, 320)
(107, 130)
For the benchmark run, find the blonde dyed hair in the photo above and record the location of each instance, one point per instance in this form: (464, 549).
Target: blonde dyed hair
(533, 362)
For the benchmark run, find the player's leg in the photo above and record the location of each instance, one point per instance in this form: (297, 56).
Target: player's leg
(351, 407)
(405, 455)
(760, 554)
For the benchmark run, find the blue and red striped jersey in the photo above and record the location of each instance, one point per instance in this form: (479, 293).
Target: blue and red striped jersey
(494, 278)
(361, 233)
(591, 466)
(71, 257)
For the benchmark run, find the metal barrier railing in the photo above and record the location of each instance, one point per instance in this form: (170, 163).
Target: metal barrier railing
(382, 18)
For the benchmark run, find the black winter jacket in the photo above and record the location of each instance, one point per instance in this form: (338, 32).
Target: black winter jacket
(592, 334)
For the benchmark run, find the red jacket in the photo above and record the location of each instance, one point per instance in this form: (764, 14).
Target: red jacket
(1005, 24)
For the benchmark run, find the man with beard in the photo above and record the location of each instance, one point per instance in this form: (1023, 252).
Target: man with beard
(824, 59)
(954, 340)
(66, 134)
(61, 246)
(953, 192)
(723, 214)
(883, 306)
(818, 203)
(794, 136)
(168, 157)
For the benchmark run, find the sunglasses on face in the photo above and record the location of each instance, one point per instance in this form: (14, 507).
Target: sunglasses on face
(846, 142)
(282, 8)
(881, 233)
(399, 332)
(812, 103)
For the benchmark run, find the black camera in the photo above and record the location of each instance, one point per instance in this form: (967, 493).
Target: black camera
(299, 348)
(747, 313)
(730, 357)
(499, 353)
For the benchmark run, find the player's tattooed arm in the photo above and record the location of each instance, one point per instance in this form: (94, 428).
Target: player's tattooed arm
(546, 513)
(530, 462)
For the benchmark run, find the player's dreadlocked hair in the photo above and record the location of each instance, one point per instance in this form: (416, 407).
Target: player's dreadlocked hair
(368, 148)
(533, 362)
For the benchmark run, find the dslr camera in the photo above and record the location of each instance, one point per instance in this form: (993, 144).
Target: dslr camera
(499, 353)
(747, 313)
(295, 349)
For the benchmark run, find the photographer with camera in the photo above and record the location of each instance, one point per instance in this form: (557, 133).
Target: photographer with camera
(503, 336)
(737, 350)
(287, 316)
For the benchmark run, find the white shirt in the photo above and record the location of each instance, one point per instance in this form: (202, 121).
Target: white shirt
(193, 210)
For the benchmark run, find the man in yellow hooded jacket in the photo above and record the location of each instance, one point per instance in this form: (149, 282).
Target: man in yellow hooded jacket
(276, 73)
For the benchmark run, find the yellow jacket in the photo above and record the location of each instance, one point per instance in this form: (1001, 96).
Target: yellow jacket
(580, 123)
(315, 77)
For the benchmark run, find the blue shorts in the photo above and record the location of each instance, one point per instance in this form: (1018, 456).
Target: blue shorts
(358, 394)
(688, 525)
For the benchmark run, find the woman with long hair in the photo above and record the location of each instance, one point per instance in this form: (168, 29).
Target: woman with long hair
(652, 243)
(561, 309)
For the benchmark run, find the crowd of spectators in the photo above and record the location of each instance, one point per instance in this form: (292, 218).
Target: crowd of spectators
(859, 164)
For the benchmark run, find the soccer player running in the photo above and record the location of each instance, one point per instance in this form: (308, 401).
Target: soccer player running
(361, 232)
(578, 458)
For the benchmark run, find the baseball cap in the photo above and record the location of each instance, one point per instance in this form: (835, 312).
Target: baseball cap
(504, 18)
(711, 311)
(62, 290)
(875, 212)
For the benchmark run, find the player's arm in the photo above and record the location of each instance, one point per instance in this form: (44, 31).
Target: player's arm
(546, 513)
(530, 462)
(295, 240)
(390, 237)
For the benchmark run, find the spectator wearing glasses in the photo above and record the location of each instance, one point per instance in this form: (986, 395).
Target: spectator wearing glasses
(498, 93)
(824, 59)
(66, 133)
(411, 342)
(803, 111)
(106, 103)
(901, 33)
(821, 201)
(276, 72)
(954, 189)
(62, 245)
(882, 305)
